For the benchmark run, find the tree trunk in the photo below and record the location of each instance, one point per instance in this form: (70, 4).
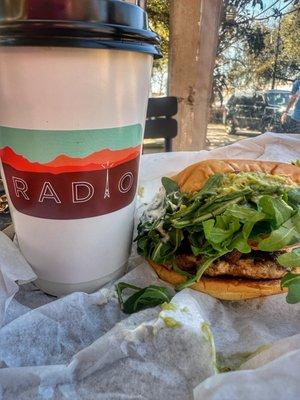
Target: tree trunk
(194, 28)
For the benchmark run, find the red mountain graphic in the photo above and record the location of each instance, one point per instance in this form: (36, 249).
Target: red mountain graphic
(102, 159)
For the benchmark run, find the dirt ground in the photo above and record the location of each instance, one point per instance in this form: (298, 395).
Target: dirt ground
(216, 137)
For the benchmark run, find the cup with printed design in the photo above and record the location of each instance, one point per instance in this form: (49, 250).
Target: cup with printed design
(74, 84)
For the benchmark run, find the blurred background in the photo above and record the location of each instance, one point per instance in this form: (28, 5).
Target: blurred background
(257, 60)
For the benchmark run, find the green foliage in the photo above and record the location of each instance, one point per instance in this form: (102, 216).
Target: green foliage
(247, 47)
(159, 14)
(246, 50)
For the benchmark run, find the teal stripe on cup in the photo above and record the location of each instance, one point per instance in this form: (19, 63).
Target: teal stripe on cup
(45, 145)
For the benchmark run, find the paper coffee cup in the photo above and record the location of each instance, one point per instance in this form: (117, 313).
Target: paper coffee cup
(72, 119)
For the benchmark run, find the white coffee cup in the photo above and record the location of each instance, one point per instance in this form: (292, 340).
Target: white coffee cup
(71, 126)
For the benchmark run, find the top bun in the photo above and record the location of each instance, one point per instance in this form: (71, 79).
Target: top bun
(194, 177)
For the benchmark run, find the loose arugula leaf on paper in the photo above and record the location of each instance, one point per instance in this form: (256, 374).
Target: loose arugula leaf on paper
(143, 298)
(246, 214)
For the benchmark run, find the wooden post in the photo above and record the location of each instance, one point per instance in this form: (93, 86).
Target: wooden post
(193, 42)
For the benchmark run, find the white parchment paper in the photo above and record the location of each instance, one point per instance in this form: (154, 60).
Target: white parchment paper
(83, 347)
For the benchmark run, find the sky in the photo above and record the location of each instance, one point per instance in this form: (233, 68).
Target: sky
(267, 3)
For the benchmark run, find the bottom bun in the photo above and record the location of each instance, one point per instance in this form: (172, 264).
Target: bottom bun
(224, 288)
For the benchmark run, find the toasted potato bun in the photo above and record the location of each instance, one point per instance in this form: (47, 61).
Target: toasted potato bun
(223, 288)
(193, 179)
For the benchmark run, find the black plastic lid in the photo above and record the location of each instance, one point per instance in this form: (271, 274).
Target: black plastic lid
(112, 24)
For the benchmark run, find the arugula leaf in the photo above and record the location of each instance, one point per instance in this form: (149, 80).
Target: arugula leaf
(215, 234)
(143, 245)
(211, 187)
(275, 209)
(248, 216)
(245, 213)
(201, 269)
(122, 286)
(180, 271)
(260, 230)
(175, 236)
(294, 197)
(278, 239)
(292, 282)
(211, 212)
(164, 248)
(169, 185)
(147, 297)
(241, 244)
(162, 252)
(290, 260)
(296, 220)
(288, 233)
(196, 250)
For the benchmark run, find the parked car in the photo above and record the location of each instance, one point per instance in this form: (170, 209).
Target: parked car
(260, 111)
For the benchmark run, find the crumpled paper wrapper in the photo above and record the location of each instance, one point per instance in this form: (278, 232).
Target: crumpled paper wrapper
(83, 347)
